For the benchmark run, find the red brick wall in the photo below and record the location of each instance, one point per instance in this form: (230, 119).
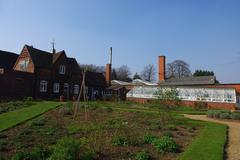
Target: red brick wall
(213, 105)
(161, 68)
(108, 74)
(24, 56)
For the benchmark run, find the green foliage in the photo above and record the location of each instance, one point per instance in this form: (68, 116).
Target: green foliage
(14, 105)
(109, 109)
(148, 138)
(136, 76)
(88, 155)
(165, 144)
(13, 118)
(142, 155)
(68, 108)
(224, 115)
(168, 134)
(37, 153)
(203, 73)
(171, 127)
(66, 149)
(235, 115)
(209, 145)
(120, 141)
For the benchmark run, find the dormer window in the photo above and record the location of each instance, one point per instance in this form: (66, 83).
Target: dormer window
(62, 69)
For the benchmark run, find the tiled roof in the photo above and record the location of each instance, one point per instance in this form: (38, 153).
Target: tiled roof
(7, 59)
(201, 80)
(40, 58)
(95, 79)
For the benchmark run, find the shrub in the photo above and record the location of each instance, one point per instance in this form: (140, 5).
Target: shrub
(149, 138)
(120, 141)
(165, 144)
(66, 149)
(235, 116)
(224, 116)
(216, 113)
(142, 155)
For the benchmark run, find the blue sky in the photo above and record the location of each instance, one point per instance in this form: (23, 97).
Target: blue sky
(204, 33)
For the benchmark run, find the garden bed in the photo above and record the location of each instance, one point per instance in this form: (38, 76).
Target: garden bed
(103, 133)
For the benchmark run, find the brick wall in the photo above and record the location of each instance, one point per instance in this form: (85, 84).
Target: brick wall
(213, 105)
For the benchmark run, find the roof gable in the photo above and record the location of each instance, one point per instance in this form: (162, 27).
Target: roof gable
(40, 58)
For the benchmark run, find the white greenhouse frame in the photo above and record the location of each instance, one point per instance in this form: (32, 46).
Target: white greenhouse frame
(223, 95)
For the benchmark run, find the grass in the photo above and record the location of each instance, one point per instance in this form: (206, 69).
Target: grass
(13, 118)
(209, 145)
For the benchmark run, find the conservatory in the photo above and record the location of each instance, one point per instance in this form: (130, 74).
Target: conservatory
(222, 95)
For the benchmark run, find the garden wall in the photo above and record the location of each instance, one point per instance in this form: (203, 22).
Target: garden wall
(213, 105)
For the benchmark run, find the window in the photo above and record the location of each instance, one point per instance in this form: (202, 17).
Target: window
(62, 69)
(23, 64)
(43, 86)
(1, 71)
(75, 89)
(56, 88)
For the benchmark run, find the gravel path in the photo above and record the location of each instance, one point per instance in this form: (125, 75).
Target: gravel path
(233, 146)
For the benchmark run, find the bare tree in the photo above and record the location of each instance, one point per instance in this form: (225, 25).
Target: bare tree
(123, 73)
(93, 68)
(178, 68)
(149, 73)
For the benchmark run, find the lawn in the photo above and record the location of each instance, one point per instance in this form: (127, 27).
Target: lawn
(110, 130)
(18, 116)
(209, 145)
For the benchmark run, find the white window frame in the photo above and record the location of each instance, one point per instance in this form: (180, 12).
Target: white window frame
(55, 87)
(62, 69)
(43, 86)
(76, 89)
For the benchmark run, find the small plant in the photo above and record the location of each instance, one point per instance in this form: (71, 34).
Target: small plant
(66, 149)
(224, 115)
(148, 138)
(39, 122)
(142, 155)
(120, 141)
(191, 128)
(37, 153)
(235, 116)
(165, 144)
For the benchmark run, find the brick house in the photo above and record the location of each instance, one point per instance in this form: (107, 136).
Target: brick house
(49, 75)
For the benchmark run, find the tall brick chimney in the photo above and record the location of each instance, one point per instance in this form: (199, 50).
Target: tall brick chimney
(109, 69)
(161, 68)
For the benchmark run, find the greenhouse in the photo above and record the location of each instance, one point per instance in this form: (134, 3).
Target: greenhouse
(226, 95)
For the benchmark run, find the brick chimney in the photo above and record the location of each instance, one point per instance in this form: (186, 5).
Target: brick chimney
(109, 69)
(161, 68)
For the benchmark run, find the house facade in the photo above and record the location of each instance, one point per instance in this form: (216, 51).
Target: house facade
(48, 75)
